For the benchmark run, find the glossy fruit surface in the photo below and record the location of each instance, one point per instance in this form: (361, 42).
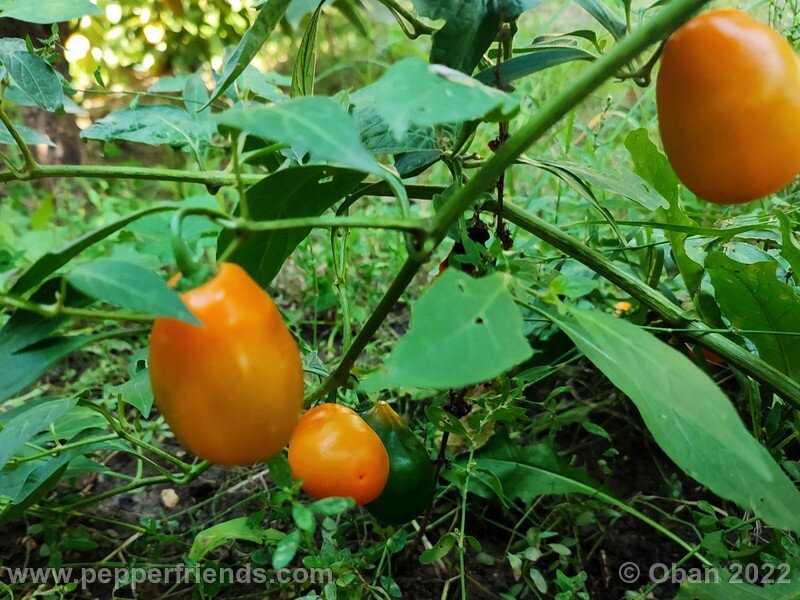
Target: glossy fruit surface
(411, 485)
(728, 95)
(335, 453)
(231, 390)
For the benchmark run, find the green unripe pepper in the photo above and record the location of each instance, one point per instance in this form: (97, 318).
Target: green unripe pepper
(410, 487)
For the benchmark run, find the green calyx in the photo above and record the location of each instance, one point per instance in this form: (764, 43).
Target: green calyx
(411, 485)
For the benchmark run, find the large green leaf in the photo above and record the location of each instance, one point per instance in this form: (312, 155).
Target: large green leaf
(48, 11)
(23, 368)
(532, 62)
(378, 139)
(155, 125)
(35, 78)
(752, 298)
(318, 126)
(784, 588)
(130, 286)
(690, 418)
(463, 331)
(471, 26)
(292, 192)
(412, 92)
(269, 16)
(50, 262)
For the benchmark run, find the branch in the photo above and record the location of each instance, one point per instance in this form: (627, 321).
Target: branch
(753, 366)
(27, 157)
(551, 113)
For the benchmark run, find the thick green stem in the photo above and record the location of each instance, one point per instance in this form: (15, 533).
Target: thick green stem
(700, 333)
(56, 310)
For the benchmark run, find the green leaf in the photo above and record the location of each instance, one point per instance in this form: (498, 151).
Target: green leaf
(130, 286)
(285, 550)
(36, 78)
(316, 125)
(51, 11)
(378, 138)
(39, 491)
(29, 136)
(412, 92)
(222, 533)
(279, 470)
(616, 180)
(724, 589)
(154, 125)
(688, 415)
(137, 392)
(195, 93)
(289, 193)
(305, 63)
(654, 168)
(471, 27)
(790, 249)
(26, 424)
(439, 551)
(527, 472)
(751, 297)
(50, 262)
(23, 368)
(455, 313)
(604, 16)
(268, 18)
(303, 518)
(331, 506)
(532, 62)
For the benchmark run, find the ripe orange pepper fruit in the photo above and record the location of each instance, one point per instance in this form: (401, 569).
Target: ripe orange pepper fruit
(231, 390)
(728, 95)
(336, 453)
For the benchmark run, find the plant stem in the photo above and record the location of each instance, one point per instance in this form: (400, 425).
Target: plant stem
(56, 310)
(193, 474)
(209, 178)
(737, 356)
(437, 467)
(27, 157)
(599, 71)
(399, 12)
(589, 80)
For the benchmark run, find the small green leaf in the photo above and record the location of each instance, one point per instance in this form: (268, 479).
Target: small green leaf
(305, 64)
(439, 551)
(790, 249)
(36, 78)
(286, 550)
(130, 286)
(279, 470)
(531, 62)
(222, 533)
(331, 506)
(137, 392)
(269, 16)
(303, 518)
